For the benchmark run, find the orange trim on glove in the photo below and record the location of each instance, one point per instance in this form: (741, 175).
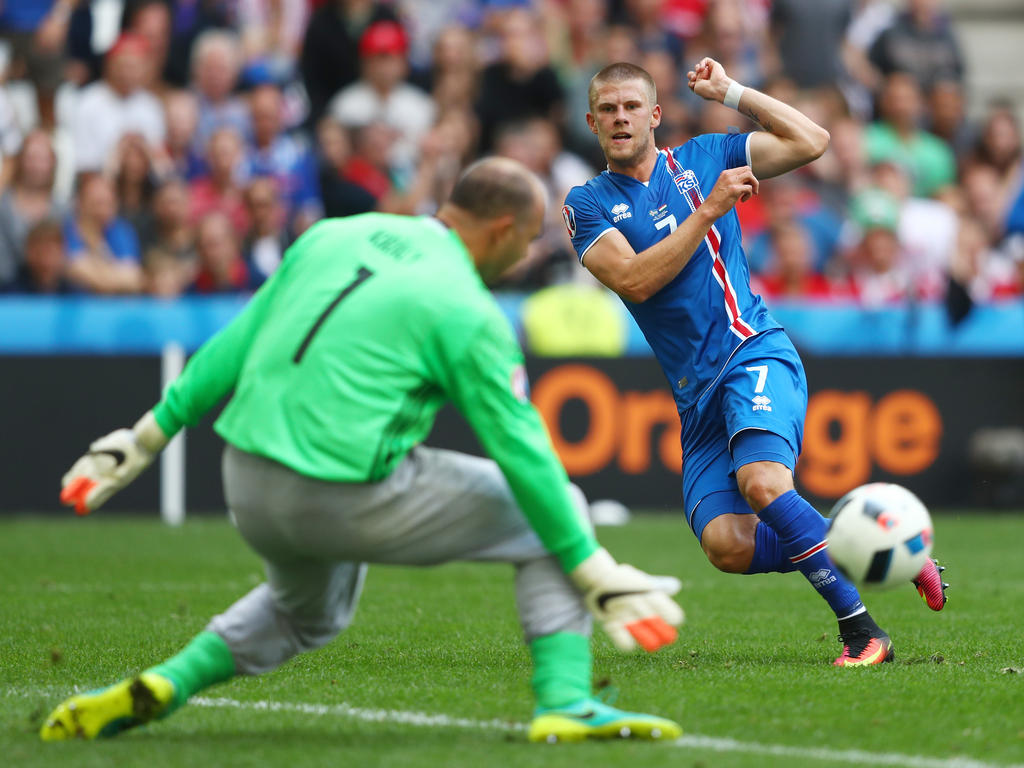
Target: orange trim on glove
(74, 493)
(652, 633)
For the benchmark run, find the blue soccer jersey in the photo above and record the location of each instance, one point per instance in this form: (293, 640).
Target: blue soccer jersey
(695, 323)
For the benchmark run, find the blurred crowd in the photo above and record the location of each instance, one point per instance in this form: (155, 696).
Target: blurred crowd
(179, 146)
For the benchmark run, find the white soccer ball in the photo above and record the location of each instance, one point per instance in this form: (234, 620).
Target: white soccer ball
(879, 535)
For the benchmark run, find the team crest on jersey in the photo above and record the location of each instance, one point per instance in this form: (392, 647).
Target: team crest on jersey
(685, 181)
(520, 384)
(569, 217)
(621, 211)
(659, 213)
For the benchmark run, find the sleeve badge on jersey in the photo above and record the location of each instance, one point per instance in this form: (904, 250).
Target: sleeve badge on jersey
(569, 216)
(520, 384)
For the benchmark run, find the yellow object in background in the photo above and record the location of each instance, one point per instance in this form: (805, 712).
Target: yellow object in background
(571, 320)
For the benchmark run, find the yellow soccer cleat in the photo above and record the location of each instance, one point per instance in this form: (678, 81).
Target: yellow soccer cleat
(593, 719)
(109, 711)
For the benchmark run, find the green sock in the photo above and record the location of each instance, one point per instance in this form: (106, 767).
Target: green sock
(561, 669)
(204, 661)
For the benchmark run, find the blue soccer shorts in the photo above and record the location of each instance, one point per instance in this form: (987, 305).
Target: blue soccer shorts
(762, 393)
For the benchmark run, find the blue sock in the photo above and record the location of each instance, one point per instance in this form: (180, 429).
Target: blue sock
(801, 531)
(769, 554)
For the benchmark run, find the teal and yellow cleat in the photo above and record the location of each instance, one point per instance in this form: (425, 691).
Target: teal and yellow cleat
(109, 711)
(593, 719)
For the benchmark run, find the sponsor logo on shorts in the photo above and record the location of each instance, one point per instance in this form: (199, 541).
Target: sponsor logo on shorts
(620, 212)
(569, 217)
(761, 403)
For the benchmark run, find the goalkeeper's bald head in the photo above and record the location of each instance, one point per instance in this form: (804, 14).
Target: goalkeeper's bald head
(497, 207)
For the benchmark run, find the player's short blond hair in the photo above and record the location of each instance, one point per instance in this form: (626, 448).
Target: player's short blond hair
(620, 72)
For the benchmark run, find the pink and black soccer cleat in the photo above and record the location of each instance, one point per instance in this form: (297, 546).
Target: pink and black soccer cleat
(864, 647)
(930, 585)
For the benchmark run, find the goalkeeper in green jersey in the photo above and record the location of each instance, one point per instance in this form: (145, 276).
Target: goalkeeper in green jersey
(338, 365)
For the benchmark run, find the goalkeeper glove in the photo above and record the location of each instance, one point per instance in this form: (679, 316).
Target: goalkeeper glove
(633, 606)
(112, 462)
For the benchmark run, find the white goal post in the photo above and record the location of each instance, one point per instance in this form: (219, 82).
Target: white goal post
(172, 459)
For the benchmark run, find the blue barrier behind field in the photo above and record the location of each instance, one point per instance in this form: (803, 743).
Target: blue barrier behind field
(112, 326)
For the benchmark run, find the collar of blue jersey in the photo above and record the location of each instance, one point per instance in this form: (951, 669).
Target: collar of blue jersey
(670, 161)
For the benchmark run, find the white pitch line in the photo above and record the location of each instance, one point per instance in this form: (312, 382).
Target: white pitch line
(357, 713)
(827, 755)
(144, 586)
(692, 741)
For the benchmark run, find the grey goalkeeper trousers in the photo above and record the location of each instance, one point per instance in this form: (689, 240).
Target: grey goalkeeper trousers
(316, 537)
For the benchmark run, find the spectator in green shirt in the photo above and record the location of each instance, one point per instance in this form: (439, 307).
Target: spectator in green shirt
(896, 136)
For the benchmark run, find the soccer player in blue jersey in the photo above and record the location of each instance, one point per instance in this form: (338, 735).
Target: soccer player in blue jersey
(658, 227)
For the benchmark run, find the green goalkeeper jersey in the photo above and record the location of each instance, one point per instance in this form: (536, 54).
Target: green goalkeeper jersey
(340, 362)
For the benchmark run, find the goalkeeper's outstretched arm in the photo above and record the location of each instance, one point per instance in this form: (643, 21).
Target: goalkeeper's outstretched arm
(116, 459)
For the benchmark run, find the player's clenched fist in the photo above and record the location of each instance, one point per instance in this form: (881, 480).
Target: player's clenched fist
(734, 185)
(111, 463)
(632, 606)
(708, 80)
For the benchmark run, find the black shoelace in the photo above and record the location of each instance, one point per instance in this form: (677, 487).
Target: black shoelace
(856, 640)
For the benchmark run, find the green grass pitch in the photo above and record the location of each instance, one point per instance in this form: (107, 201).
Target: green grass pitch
(84, 602)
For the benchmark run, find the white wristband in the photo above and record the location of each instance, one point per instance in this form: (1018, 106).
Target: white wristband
(590, 571)
(732, 96)
(149, 435)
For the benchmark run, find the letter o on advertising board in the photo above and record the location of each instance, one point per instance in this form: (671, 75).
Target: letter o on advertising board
(600, 396)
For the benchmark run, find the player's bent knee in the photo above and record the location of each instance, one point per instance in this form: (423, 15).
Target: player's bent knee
(761, 483)
(311, 635)
(312, 632)
(727, 549)
(734, 559)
